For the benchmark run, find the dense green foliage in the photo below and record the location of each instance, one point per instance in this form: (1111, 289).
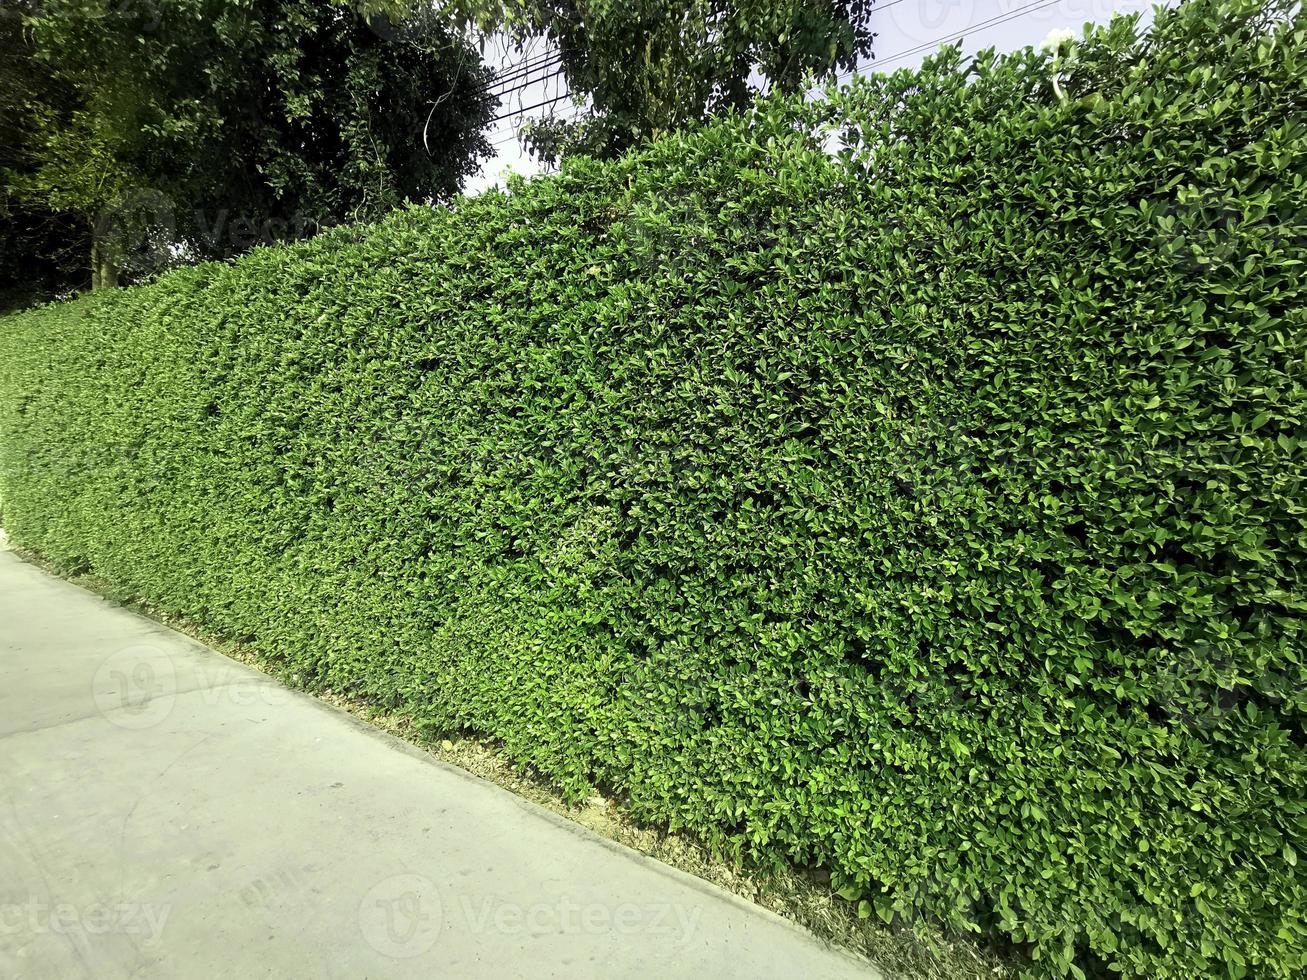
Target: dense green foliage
(932, 511)
(199, 128)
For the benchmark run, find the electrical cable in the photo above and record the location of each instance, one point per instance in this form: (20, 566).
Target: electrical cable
(954, 36)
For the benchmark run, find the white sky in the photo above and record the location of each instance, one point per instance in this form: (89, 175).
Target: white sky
(907, 31)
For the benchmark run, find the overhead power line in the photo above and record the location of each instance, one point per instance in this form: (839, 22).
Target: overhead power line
(947, 38)
(531, 108)
(994, 21)
(525, 72)
(526, 85)
(520, 74)
(512, 136)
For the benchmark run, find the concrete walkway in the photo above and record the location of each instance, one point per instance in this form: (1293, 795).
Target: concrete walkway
(168, 812)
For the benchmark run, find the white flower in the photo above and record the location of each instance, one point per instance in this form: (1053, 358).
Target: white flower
(1056, 38)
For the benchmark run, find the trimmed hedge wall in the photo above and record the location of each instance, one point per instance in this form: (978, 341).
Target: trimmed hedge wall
(932, 510)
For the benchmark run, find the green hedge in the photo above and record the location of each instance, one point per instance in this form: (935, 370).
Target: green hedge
(931, 510)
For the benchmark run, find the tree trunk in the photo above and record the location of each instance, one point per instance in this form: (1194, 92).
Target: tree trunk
(104, 270)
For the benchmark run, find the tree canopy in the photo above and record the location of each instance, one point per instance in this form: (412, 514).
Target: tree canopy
(150, 132)
(198, 128)
(652, 66)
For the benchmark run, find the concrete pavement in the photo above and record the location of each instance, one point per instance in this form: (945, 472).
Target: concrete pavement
(168, 812)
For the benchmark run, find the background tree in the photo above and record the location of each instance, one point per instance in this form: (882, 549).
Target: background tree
(37, 246)
(650, 66)
(198, 128)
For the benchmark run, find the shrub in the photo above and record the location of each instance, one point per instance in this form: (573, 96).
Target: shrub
(931, 510)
